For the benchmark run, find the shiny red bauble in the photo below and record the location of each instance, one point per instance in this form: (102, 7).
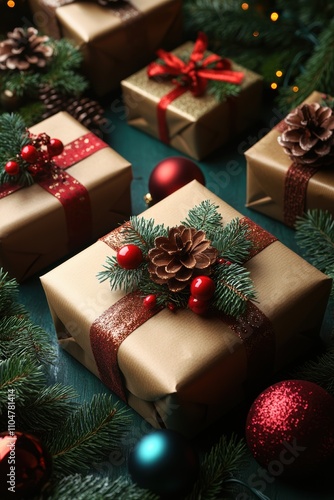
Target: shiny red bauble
(290, 428)
(29, 153)
(202, 287)
(12, 167)
(198, 306)
(171, 174)
(25, 465)
(55, 147)
(129, 256)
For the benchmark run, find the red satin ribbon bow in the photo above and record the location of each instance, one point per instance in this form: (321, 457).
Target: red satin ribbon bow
(193, 75)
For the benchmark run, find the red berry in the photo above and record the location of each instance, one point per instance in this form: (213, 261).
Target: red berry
(29, 153)
(55, 147)
(202, 287)
(171, 306)
(150, 301)
(198, 306)
(12, 167)
(129, 256)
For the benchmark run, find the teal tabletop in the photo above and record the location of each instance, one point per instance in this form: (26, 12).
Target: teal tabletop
(225, 175)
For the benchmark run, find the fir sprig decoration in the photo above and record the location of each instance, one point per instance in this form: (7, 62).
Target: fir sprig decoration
(315, 236)
(168, 262)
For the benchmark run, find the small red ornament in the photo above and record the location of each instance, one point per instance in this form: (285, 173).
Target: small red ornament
(129, 256)
(290, 427)
(150, 301)
(202, 287)
(29, 153)
(171, 306)
(55, 147)
(198, 306)
(171, 174)
(25, 465)
(221, 260)
(12, 167)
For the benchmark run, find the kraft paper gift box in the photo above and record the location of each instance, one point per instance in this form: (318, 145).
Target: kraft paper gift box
(197, 126)
(36, 229)
(115, 40)
(267, 169)
(181, 370)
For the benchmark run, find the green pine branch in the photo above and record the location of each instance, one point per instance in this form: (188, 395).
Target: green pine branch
(204, 217)
(96, 488)
(142, 232)
(8, 293)
(233, 241)
(120, 278)
(315, 236)
(91, 431)
(234, 288)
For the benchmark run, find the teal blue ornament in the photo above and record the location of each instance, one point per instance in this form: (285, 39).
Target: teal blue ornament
(164, 462)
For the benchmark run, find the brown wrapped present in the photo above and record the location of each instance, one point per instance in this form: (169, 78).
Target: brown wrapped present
(40, 225)
(282, 189)
(178, 369)
(182, 113)
(115, 40)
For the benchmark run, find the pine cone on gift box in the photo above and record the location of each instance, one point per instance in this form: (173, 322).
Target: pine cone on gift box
(309, 137)
(23, 49)
(176, 259)
(84, 110)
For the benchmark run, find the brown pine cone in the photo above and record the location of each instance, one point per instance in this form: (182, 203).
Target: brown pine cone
(176, 259)
(309, 137)
(23, 49)
(83, 109)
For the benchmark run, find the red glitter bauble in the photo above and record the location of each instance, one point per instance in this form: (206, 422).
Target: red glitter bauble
(129, 256)
(25, 465)
(290, 427)
(171, 174)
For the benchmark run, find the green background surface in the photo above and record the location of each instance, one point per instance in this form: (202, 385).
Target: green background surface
(225, 174)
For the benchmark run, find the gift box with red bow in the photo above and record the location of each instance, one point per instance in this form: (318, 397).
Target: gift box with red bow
(171, 99)
(85, 193)
(116, 37)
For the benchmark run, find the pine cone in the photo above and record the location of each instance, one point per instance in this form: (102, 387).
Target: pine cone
(309, 138)
(23, 49)
(83, 109)
(176, 259)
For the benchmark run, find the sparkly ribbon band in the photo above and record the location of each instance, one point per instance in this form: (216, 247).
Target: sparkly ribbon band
(295, 187)
(121, 319)
(122, 9)
(71, 193)
(192, 76)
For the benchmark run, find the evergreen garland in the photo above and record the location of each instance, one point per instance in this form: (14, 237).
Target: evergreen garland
(234, 287)
(299, 43)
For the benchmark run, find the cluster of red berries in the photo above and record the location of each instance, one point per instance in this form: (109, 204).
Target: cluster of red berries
(202, 288)
(38, 155)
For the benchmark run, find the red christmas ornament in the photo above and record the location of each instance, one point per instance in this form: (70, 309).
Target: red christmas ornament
(12, 167)
(25, 465)
(290, 427)
(171, 174)
(55, 147)
(129, 256)
(221, 260)
(202, 287)
(150, 301)
(29, 153)
(198, 306)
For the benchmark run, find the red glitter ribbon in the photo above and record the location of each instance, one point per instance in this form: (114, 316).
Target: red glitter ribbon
(126, 315)
(73, 196)
(190, 76)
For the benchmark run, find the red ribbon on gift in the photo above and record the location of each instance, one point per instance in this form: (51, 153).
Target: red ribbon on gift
(190, 76)
(73, 196)
(113, 326)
